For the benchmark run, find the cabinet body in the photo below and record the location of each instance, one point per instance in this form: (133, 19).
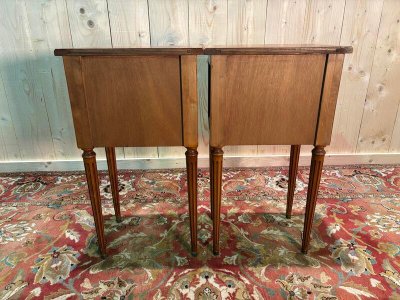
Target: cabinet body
(273, 96)
(133, 98)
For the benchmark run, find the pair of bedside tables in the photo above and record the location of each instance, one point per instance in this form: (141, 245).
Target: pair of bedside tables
(144, 97)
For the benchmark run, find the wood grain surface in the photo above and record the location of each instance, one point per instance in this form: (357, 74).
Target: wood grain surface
(133, 101)
(265, 100)
(329, 96)
(76, 89)
(189, 100)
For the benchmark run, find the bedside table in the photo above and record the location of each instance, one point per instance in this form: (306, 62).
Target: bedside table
(273, 95)
(133, 97)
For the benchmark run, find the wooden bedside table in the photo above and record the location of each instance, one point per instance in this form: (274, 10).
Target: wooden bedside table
(273, 95)
(134, 97)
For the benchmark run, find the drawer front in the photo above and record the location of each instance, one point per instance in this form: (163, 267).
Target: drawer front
(133, 101)
(265, 99)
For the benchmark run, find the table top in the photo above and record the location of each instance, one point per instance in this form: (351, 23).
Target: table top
(215, 50)
(278, 49)
(128, 51)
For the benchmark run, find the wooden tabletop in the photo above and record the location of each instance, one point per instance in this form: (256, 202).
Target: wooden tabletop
(278, 49)
(128, 51)
(215, 50)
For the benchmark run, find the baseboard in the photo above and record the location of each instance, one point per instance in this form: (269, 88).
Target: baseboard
(167, 163)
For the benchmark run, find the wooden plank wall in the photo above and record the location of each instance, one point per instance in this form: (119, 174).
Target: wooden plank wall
(35, 117)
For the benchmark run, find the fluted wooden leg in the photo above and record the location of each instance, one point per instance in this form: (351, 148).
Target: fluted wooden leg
(191, 167)
(112, 173)
(89, 160)
(211, 183)
(317, 161)
(293, 167)
(216, 161)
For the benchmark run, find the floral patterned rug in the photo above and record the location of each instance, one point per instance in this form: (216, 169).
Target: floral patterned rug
(48, 246)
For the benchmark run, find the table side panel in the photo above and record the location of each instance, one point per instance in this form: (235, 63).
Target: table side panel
(134, 101)
(76, 90)
(330, 92)
(189, 100)
(265, 100)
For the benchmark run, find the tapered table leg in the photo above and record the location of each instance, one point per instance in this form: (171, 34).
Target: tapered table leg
(293, 167)
(89, 160)
(317, 161)
(216, 161)
(211, 183)
(112, 173)
(191, 168)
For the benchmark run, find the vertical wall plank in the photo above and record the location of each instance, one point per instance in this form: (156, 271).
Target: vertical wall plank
(25, 98)
(383, 97)
(285, 21)
(395, 141)
(3, 151)
(49, 29)
(9, 149)
(207, 26)
(207, 22)
(360, 30)
(202, 91)
(4, 121)
(323, 22)
(129, 24)
(246, 26)
(89, 23)
(169, 22)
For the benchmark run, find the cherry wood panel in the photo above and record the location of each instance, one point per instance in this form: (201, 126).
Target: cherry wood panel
(133, 100)
(191, 169)
(92, 178)
(330, 92)
(189, 100)
(113, 177)
(216, 158)
(76, 90)
(265, 100)
(293, 167)
(317, 161)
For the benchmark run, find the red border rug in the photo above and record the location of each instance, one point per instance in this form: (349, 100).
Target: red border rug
(48, 246)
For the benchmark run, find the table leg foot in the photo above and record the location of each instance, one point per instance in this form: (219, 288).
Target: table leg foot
(89, 160)
(191, 168)
(293, 167)
(317, 161)
(216, 161)
(211, 182)
(112, 173)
